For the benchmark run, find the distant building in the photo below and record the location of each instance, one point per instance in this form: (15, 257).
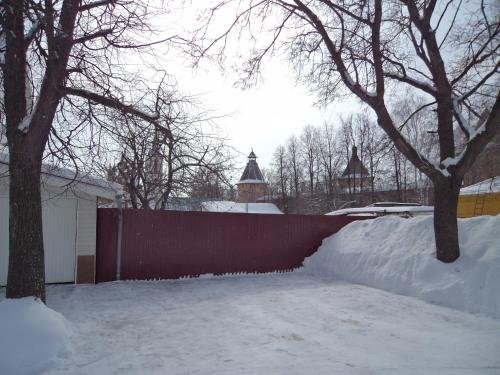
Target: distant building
(251, 186)
(355, 176)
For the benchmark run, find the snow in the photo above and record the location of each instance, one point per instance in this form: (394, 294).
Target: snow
(235, 207)
(451, 161)
(444, 169)
(269, 324)
(25, 123)
(429, 86)
(31, 336)
(489, 186)
(398, 255)
(400, 209)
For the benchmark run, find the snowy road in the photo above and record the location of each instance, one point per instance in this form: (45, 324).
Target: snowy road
(272, 324)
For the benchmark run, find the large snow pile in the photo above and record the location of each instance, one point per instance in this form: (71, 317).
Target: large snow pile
(31, 335)
(398, 255)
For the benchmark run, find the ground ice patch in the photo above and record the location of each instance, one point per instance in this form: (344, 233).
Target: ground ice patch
(398, 255)
(31, 336)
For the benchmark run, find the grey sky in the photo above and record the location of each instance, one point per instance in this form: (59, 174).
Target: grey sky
(261, 117)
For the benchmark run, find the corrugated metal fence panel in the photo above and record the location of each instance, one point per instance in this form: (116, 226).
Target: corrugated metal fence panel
(173, 244)
(107, 235)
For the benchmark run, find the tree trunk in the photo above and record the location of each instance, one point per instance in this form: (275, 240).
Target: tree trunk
(445, 220)
(26, 276)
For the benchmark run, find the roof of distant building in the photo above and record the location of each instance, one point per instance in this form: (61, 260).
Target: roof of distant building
(252, 173)
(355, 167)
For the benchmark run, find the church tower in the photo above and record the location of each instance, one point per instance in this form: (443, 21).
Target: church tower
(355, 177)
(251, 186)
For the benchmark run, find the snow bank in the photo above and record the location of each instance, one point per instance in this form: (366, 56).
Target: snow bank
(398, 255)
(31, 334)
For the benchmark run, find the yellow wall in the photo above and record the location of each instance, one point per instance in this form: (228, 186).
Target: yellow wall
(467, 203)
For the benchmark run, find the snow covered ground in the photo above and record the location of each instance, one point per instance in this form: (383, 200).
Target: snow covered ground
(270, 324)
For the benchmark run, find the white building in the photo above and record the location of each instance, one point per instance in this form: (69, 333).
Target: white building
(69, 210)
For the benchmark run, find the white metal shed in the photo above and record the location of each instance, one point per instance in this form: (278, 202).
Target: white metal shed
(69, 214)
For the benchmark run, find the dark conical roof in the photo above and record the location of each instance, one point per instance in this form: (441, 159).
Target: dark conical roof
(252, 171)
(355, 166)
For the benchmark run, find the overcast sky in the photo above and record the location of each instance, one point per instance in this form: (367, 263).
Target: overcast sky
(262, 117)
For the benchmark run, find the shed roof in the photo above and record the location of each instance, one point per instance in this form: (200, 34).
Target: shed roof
(64, 177)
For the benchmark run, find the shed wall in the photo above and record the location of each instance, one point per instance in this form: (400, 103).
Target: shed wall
(84, 241)
(478, 204)
(86, 236)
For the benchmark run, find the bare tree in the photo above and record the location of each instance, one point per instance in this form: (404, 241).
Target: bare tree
(210, 185)
(293, 151)
(446, 51)
(329, 156)
(309, 152)
(61, 57)
(156, 164)
(375, 147)
(281, 169)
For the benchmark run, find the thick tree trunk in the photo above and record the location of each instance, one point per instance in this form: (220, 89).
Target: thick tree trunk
(445, 220)
(26, 276)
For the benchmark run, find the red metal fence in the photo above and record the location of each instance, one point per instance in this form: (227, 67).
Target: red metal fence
(173, 244)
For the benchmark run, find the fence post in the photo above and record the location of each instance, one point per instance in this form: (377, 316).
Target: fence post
(119, 204)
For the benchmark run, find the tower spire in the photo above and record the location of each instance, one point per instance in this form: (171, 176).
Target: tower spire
(251, 186)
